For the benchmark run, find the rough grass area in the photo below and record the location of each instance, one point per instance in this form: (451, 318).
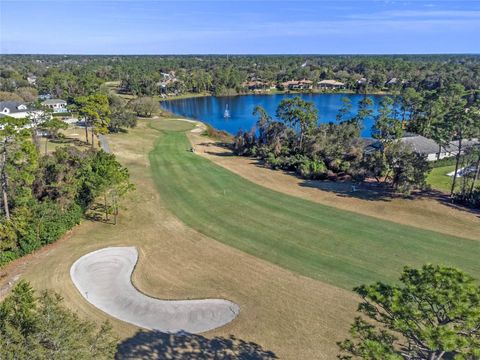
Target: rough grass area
(294, 316)
(439, 180)
(73, 136)
(331, 245)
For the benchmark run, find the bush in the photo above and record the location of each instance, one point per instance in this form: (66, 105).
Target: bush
(41, 327)
(339, 166)
(446, 161)
(47, 224)
(274, 162)
(312, 169)
(53, 222)
(471, 200)
(7, 256)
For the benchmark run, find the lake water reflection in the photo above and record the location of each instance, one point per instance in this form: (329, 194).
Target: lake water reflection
(211, 109)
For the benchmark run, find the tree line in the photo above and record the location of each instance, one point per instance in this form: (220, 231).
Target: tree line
(295, 141)
(70, 76)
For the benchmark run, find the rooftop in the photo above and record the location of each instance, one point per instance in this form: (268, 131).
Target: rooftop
(54, 101)
(331, 82)
(13, 106)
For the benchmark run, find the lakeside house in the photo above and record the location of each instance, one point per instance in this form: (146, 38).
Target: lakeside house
(167, 80)
(298, 85)
(391, 82)
(432, 150)
(57, 105)
(426, 147)
(330, 84)
(362, 81)
(257, 85)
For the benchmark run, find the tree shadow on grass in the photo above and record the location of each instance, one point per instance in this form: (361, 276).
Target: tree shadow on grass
(364, 190)
(159, 345)
(228, 151)
(96, 213)
(446, 200)
(367, 190)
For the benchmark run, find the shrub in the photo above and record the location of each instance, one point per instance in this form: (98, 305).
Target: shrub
(312, 169)
(48, 222)
(41, 327)
(7, 256)
(274, 162)
(445, 162)
(471, 200)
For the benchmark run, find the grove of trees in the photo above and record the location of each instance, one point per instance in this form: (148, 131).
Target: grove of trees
(39, 327)
(72, 76)
(295, 141)
(43, 196)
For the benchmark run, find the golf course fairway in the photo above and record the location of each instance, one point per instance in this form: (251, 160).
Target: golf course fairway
(335, 246)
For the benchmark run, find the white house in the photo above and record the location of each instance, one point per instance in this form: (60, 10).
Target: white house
(13, 109)
(427, 147)
(18, 110)
(298, 85)
(57, 105)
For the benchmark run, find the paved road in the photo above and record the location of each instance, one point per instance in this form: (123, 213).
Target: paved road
(103, 277)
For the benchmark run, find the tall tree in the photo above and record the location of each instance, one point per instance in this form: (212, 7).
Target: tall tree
(463, 123)
(299, 114)
(121, 116)
(263, 122)
(459, 121)
(410, 104)
(36, 116)
(103, 175)
(344, 112)
(52, 127)
(434, 313)
(365, 110)
(387, 128)
(95, 111)
(18, 160)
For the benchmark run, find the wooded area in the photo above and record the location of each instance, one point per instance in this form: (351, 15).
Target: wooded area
(295, 141)
(70, 75)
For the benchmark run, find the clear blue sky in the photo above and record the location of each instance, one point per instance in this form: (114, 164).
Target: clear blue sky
(239, 27)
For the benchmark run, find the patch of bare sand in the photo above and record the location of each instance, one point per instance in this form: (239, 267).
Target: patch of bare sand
(293, 316)
(423, 212)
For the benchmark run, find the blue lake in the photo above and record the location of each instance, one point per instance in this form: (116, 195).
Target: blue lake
(211, 109)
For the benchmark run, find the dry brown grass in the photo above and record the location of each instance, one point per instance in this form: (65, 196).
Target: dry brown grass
(424, 212)
(293, 316)
(73, 136)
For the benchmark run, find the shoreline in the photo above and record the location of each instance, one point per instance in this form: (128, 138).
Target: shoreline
(270, 93)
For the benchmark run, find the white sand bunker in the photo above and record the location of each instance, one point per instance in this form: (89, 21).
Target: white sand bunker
(103, 277)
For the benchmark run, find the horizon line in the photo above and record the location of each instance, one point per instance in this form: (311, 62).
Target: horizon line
(240, 54)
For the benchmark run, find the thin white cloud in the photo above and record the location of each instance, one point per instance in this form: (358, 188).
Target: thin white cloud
(427, 14)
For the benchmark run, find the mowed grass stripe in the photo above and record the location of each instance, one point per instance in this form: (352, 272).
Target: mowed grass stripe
(324, 243)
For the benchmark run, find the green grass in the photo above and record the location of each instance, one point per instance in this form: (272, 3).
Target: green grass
(438, 178)
(338, 247)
